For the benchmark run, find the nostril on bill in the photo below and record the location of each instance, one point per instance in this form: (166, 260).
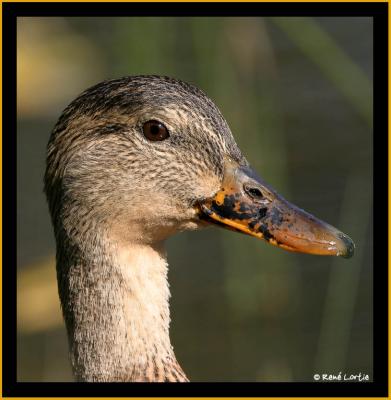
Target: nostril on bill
(255, 193)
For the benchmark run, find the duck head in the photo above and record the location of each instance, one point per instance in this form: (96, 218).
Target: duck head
(148, 156)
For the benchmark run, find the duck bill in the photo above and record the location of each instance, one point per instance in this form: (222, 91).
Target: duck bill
(245, 203)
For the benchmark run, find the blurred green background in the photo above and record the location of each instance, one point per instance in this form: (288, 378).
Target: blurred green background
(297, 93)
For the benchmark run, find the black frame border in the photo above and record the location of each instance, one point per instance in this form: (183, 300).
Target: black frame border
(379, 386)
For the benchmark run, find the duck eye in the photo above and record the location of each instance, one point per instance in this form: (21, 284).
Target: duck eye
(155, 131)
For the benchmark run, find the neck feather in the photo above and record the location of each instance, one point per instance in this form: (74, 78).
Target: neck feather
(116, 308)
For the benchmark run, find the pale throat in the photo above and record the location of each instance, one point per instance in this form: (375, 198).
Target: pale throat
(146, 296)
(125, 335)
(145, 299)
(146, 307)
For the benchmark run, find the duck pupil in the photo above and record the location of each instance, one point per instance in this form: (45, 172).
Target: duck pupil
(155, 129)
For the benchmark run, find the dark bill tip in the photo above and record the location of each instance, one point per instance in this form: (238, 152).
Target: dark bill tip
(348, 250)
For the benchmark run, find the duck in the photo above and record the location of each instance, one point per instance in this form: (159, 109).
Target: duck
(131, 162)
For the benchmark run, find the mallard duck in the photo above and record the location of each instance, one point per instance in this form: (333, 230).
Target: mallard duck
(130, 162)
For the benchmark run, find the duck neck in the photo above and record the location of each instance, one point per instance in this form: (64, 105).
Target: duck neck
(116, 307)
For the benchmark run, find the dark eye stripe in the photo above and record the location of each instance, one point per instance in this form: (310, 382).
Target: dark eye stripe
(155, 131)
(110, 129)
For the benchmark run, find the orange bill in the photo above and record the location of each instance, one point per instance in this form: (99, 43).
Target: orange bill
(247, 204)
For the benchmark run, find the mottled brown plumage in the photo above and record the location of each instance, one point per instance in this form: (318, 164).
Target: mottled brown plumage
(115, 195)
(110, 190)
